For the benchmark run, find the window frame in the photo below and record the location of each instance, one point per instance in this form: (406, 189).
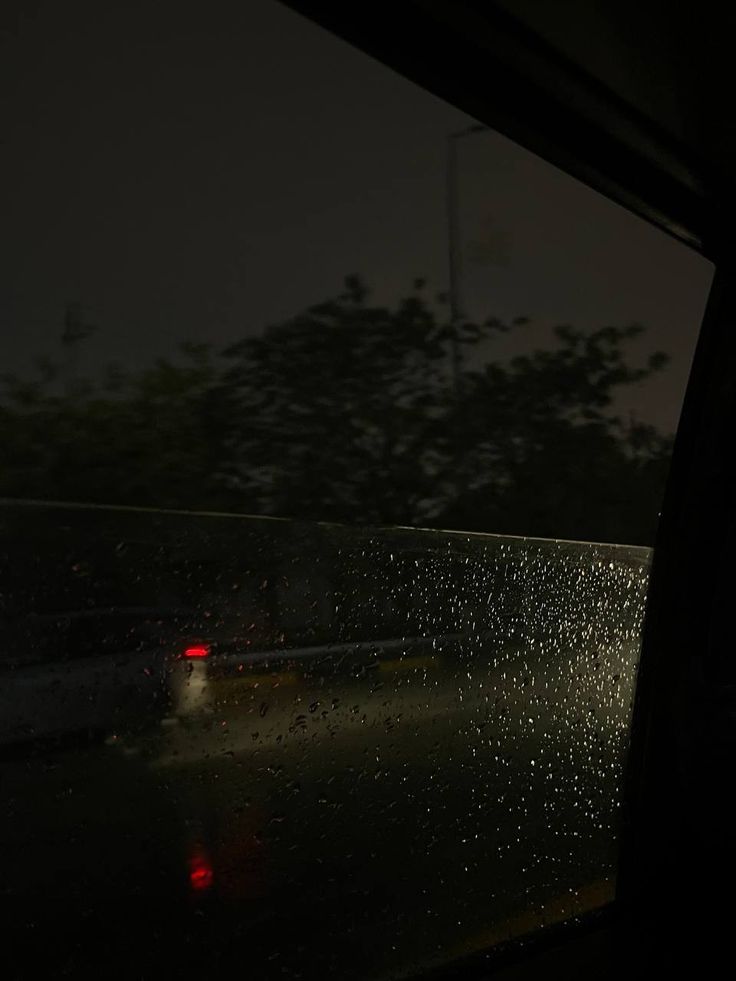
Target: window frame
(554, 108)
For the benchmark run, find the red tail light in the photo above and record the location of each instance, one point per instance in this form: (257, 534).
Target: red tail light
(201, 875)
(197, 650)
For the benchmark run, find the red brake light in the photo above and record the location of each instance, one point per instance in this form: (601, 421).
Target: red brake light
(201, 874)
(197, 650)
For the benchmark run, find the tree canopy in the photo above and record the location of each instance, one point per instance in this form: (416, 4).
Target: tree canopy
(357, 413)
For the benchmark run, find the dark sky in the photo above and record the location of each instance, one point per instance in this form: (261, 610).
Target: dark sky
(197, 171)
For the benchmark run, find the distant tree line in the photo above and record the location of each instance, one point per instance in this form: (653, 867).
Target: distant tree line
(351, 412)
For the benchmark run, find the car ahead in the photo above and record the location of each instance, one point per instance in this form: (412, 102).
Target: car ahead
(209, 676)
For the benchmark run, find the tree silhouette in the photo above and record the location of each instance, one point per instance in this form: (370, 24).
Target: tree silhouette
(351, 412)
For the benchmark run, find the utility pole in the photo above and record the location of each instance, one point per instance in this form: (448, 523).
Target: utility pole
(76, 329)
(454, 265)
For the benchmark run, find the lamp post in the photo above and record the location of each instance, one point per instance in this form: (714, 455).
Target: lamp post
(453, 244)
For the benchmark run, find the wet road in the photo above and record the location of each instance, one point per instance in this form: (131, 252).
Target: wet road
(296, 825)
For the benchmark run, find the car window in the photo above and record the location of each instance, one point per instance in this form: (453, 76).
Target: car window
(334, 429)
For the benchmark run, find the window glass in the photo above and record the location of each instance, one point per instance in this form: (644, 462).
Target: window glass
(408, 743)
(278, 319)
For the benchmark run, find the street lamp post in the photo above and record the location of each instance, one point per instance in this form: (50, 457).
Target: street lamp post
(453, 244)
